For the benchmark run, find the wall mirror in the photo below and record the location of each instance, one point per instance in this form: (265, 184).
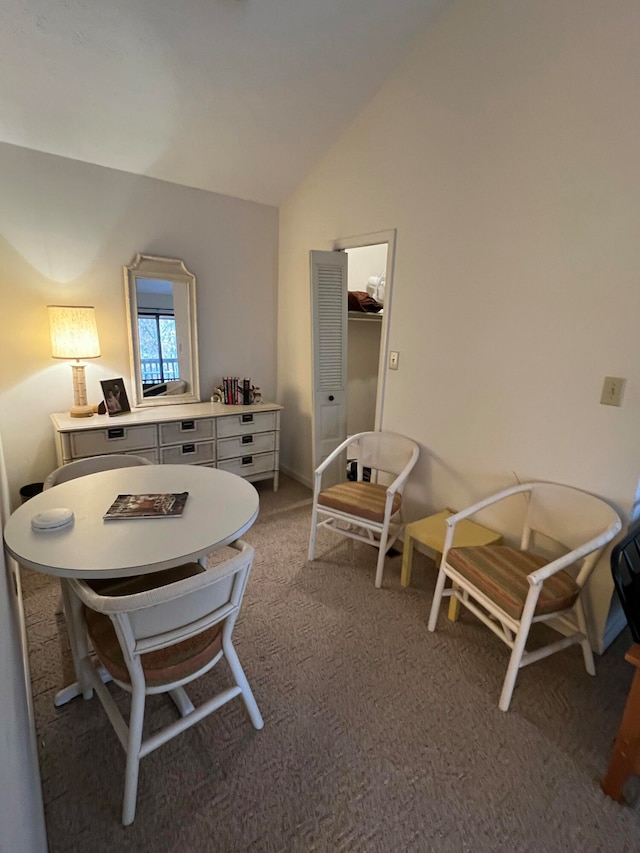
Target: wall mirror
(161, 313)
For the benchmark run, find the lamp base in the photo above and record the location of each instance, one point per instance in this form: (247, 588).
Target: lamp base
(81, 411)
(80, 408)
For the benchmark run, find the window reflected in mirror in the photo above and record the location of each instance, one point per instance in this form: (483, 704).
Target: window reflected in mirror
(156, 333)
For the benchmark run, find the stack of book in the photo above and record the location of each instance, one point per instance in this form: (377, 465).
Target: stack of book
(236, 391)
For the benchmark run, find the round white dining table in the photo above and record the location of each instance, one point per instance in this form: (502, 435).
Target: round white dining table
(220, 507)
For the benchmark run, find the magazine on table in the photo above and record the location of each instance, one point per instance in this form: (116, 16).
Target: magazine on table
(169, 505)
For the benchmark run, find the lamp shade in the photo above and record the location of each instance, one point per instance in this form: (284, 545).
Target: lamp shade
(74, 333)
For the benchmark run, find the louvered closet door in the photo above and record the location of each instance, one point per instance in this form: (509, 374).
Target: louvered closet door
(329, 332)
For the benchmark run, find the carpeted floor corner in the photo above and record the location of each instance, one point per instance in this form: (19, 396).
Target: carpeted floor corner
(379, 736)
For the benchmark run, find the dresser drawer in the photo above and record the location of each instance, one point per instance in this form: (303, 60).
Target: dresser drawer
(188, 453)
(178, 432)
(242, 445)
(244, 423)
(246, 465)
(112, 440)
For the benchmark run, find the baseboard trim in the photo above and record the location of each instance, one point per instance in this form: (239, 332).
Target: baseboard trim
(304, 481)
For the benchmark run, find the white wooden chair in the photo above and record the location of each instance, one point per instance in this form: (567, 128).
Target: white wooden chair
(92, 465)
(366, 511)
(83, 467)
(509, 589)
(156, 633)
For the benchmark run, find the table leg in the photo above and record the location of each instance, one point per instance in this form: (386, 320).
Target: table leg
(407, 559)
(79, 648)
(627, 746)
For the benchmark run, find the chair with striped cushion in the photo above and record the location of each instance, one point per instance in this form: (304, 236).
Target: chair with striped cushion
(509, 588)
(154, 634)
(365, 511)
(91, 465)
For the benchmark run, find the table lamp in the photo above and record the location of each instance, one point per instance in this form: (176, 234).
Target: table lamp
(74, 334)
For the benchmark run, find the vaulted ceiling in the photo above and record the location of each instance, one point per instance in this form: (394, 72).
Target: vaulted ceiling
(239, 97)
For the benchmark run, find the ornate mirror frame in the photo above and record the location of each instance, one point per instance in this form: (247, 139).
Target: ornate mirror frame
(183, 282)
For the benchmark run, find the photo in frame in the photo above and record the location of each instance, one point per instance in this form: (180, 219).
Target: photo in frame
(115, 396)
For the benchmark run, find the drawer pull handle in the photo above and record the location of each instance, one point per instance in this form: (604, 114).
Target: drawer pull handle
(247, 460)
(186, 425)
(188, 448)
(247, 419)
(115, 433)
(247, 439)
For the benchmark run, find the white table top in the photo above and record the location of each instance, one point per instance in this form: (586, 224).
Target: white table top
(220, 508)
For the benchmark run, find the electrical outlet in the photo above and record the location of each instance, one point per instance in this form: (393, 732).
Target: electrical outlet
(612, 391)
(393, 360)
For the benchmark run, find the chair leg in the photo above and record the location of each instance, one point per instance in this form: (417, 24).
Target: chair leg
(312, 535)
(241, 680)
(514, 666)
(519, 646)
(382, 553)
(380, 568)
(136, 719)
(437, 600)
(587, 652)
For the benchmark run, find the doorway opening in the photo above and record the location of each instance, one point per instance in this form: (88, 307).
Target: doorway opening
(366, 284)
(349, 355)
(370, 269)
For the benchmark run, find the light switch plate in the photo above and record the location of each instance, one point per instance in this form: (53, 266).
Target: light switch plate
(612, 391)
(394, 357)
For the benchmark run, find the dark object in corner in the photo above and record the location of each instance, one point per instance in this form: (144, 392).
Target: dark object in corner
(359, 300)
(30, 491)
(102, 408)
(625, 568)
(352, 472)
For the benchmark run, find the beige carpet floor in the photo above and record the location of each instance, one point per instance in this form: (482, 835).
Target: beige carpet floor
(378, 736)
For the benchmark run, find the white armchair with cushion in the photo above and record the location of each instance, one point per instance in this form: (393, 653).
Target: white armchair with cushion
(154, 634)
(366, 511)
(509, 588)
(91, 465)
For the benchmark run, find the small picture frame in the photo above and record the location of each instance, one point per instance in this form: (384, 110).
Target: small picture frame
(115, 396)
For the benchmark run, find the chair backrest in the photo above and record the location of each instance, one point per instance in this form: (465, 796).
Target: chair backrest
(388, 452)
(568, 515)
(83, 467)
(159, 617)
(625, 568)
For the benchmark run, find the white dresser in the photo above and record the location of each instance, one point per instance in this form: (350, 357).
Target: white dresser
(242, 439)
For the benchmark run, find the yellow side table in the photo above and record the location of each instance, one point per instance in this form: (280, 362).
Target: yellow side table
(431, 532)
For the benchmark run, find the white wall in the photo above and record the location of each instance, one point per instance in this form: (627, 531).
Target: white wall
(365, 261)
(505, 152)
(363, 354)
(66, 230)
(22, 827)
